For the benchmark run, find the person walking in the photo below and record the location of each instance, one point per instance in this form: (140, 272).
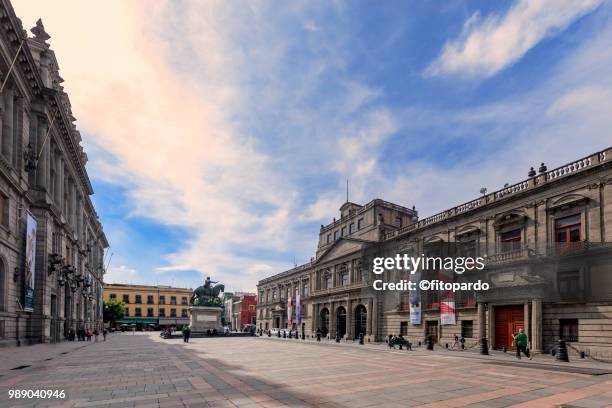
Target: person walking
(186, 333)
(520, 342)
(104, 334)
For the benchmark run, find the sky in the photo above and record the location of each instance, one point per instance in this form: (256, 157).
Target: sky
(220, 134)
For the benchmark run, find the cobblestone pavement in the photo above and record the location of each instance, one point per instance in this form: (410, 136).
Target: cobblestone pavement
(144, 370)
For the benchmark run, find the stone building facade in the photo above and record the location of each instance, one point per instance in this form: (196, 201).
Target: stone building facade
(546, 245)
(43, 178)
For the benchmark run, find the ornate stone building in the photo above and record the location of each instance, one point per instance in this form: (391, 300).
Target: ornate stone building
(546, 244)
(52, 280)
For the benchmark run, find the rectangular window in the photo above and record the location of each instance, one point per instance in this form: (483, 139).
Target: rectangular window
(251, 308)
(351, 227)
(149, 299)
(404, 328)
(162, 312)
(328, 282)
(162, 300)
(335, 235)
(138, 299)
(113, 296)
(510, 241)
(467, 329)
(184, 313)
(126, 298)
(4, 210)
(343, 232)
(398, 222)
(328, 238)
(567, 229)
(359, 224)
(149, 312)
(138, 312)
(305, 290)
(184, 300)
(173, 300)
(344, 278)
(172, 312)
(274, 295)
(569, 283)
(568, 329)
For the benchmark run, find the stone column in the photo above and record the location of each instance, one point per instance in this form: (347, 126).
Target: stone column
(332, 319)
(7, 124)
(375, 319)
(41, 167)
(369, 318)
(349, 320)
(536, 325)
(482, 332)
(491, 325)
(526, 319)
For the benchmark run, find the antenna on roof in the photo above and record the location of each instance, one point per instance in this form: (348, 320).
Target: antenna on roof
(347, 190)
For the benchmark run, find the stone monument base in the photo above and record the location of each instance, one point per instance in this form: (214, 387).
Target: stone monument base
(204, 318)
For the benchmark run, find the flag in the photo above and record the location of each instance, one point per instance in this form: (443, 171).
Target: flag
(289, 311)
(298, 309)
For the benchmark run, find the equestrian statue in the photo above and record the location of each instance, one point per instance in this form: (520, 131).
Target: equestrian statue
(207, 294)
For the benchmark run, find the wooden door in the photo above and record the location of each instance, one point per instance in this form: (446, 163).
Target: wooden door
(508, 321)
(431, 328)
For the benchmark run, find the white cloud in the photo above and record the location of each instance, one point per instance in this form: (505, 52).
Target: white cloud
(489, 45)
(121, 274)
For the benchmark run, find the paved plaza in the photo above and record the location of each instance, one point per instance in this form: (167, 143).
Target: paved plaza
(144, 370)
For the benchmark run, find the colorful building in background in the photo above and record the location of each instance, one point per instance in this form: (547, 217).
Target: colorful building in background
(151, 307)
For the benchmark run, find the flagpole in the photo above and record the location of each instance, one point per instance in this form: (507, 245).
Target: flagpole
(8, 74)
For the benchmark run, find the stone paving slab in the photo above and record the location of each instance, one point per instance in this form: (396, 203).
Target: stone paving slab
(147, 371)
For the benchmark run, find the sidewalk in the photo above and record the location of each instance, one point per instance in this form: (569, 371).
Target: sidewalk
(12, 358)
(540, 361)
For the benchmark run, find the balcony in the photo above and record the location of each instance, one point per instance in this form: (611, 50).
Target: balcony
(519, 254)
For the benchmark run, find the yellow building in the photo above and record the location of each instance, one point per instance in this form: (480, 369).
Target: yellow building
(151, 306)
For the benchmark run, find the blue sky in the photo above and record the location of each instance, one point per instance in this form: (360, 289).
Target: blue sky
(220, 134)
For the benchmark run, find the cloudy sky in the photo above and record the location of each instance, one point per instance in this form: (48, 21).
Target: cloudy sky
(220, 133)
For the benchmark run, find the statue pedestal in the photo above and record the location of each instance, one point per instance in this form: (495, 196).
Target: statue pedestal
(203, 318)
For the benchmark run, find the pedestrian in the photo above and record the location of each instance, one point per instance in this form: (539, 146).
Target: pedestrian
(456, 343)
(520, 342)
(96, 333)
(104, 334)
(462, 342)
(88, 334)
(186, 333)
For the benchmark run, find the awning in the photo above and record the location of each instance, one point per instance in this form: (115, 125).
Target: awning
(136, 320)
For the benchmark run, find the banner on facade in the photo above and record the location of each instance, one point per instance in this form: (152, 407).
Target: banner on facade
(298, 309)
(289, 311)
(30, 264)
(415, 301)
(447, 312)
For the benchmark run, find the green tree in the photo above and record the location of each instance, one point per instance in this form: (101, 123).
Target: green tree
(113, 310)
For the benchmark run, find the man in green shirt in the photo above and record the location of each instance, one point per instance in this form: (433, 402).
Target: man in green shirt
(520, 341)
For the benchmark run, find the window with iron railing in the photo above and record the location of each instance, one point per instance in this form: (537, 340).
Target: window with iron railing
(567, 229)
(568, 329)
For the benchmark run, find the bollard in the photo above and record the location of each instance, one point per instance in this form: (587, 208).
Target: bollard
(269, 333)
(430, 345)
(284, 334)
(562, 354)
(360, 338)
(505, 349)
(278, 334)
(553, 352)
(419, 343)
(446, 345)
(303, 336)
(337, 337)
(318, 336)
(484, 346)
(582, 354)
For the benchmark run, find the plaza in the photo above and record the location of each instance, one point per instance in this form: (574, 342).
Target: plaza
(143, 370)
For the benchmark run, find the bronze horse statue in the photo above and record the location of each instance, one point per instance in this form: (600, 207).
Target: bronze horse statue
(207, 293)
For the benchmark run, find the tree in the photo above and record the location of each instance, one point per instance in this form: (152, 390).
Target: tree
(113, 310)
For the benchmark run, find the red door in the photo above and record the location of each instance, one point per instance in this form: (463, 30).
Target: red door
(432, 330)
(508, 321)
